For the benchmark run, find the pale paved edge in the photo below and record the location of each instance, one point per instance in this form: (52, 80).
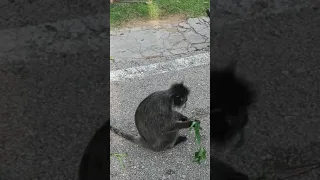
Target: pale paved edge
(160, 68)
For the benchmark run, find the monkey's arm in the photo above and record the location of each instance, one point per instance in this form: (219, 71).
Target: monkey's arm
(177, 126)
(180, 122)
(183, 118)
(178, 116)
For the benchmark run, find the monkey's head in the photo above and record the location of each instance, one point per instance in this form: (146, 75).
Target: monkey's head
(229, 91)
(179, 94)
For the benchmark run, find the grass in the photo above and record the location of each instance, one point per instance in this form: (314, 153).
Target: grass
(122, 13)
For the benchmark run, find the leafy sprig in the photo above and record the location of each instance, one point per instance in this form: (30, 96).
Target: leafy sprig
(202, 153)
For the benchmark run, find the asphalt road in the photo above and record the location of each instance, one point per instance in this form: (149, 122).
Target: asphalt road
(148, 59)
(280, 53)
(126, 94)
(49, 111)
(20, 13)
(54, 93)
(53, 102)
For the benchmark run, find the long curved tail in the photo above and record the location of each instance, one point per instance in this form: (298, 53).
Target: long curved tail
(134, 139)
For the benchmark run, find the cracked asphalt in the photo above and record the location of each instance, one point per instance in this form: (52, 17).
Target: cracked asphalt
(171, 164)
(146, 50)
(160, 40)
(53, 85)
(53, 93)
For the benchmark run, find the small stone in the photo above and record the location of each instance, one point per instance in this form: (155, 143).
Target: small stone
(276, 33)
(300, 70)
(170, 172)
(266, 157)
(51, 28)
(285, 72)
(201, 45)
(181, 29)
(184, 25)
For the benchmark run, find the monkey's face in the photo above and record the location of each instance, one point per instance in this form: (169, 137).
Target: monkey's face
(179, 101)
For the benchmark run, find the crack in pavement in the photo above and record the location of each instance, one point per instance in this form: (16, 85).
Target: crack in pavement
(73, 35)
(158, 40)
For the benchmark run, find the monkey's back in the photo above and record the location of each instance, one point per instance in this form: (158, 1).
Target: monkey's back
(153, 115)
(95, 160)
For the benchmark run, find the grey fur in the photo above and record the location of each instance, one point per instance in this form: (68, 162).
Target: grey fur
(157, 123)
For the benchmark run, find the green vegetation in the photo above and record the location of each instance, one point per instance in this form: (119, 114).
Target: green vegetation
(119, 157)
(201, 154)
(121, 13)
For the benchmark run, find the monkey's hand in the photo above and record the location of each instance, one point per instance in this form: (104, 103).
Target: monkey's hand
(197, 121)
(183, 118)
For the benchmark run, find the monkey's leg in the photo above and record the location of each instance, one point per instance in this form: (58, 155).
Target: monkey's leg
(156, 146)
(177, 141)
(147, 146)
(180, 139)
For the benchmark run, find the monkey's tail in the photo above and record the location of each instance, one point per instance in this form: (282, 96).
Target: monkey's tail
(134, 139)
(83, 169)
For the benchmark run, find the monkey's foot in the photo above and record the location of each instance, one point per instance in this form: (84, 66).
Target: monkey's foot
(180, 139)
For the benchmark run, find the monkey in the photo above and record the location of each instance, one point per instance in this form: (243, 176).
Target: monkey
(157, 123)
(222, 171)
(230, 98)
(95, 162)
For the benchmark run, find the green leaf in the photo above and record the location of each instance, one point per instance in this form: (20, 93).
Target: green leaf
(111, 58)
(200, 155)
(119, 157)
(192, 125)
(197, 132)
(196, 126)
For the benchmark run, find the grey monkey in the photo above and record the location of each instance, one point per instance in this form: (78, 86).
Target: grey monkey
(157, 123)
(95, 161)
(230, 98)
